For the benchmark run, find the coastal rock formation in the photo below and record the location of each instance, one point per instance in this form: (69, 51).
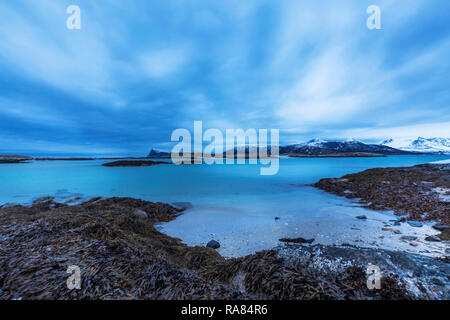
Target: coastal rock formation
(122, 256)
(418, 192)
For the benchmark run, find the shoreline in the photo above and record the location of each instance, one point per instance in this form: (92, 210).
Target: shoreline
(419, 193)
(116, 245)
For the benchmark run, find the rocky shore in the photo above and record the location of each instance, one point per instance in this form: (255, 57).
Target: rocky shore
(122, 256)
(419, 193)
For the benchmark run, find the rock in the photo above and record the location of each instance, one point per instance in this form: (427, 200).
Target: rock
(277, 218)
(441, 228)
(134, 163)
(71, 200)
(396, 223)
(386, 229)
(432, 238)
(9, 205)
(444, 235)
(413, 244)
(408, 238)
(213, 244)
(297, 240)
(43, 199)
(140, 213)
(397, 231)
(415, 224)
(361, 217)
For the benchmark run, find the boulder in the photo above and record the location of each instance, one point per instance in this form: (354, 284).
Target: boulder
(361, 217)
(140, 213)
(213, 244)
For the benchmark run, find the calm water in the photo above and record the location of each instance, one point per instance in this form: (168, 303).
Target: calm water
(231, 203)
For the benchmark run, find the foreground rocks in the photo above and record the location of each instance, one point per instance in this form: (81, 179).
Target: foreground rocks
(422, 192)
(122, 256)
(423, 277)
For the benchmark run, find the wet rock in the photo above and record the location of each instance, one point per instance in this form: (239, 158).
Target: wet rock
(43, 199)
(408, 238)
(433, 239)
(9, 205)
(441, 228)
(415, 224)
(297, 240)
(444, 235)
(397, 231)
(213, 244)
(361, 217)
(413, 244)
(72, 200)
(277, 218)
(140, 213)
(386, 229)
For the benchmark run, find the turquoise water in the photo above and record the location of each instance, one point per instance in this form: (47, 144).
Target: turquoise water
(229, 201)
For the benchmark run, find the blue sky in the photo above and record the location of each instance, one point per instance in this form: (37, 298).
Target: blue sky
(137, 70)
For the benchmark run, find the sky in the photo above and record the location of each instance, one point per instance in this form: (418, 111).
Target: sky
(137, 70)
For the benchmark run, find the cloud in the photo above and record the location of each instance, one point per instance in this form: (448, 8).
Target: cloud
(138, 70)
(163, 63)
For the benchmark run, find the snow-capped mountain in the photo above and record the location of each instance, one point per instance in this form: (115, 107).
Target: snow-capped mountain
(434, 145)
(323, 147)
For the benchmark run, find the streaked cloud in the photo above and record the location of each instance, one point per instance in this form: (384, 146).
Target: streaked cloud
(138, 70)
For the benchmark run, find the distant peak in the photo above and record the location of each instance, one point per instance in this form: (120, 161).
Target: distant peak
(351, 140)
(315, 141)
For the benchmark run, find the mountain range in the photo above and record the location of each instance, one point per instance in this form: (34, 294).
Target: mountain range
(323, 147)
(351, 147)
(428, 145)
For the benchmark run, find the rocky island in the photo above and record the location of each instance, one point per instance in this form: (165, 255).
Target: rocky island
(134, 163)
(14, 159)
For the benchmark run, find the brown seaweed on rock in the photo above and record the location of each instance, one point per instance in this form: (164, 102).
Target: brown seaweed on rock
(408, 191)
(122, 256)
